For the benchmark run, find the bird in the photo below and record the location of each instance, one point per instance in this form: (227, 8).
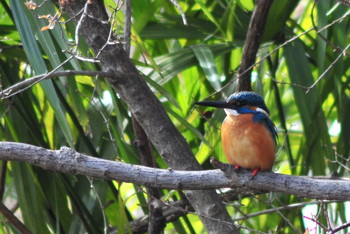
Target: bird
(248, 135)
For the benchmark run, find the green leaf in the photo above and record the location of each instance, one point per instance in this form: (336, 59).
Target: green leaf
(188, 126)
(122, 220)
(309, 105)
(173, 63)
(35, 57)
(30, 198)
(167, 31)
(207, 11)
(206, 61)
(162, 91)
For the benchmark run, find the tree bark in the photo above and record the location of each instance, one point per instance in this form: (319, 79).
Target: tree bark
(252, 43)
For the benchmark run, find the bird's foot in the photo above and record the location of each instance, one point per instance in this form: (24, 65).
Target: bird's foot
(236, 167)
(255, 171)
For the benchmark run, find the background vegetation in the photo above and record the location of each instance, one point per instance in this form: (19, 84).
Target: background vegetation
(302, 72)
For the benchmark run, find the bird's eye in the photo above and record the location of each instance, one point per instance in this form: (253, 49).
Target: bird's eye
(237, 103)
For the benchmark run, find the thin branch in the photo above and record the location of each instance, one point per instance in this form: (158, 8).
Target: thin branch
(317, 222)
(174, 210)
(81, 58)
(345, 2)
(289, 83)
(111, 39)
(171, 211)
(182, 13)
(251, 230)
(68, 161)
(281, 208)
(345, 225)
(329, 67)
(328, 42)
(277, 49)
(11, 218)
(76, 37)
(42, 78)
(23, 85)
(288, 222)
(3, 178)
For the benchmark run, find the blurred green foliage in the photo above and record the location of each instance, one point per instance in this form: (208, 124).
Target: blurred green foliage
(182, 64)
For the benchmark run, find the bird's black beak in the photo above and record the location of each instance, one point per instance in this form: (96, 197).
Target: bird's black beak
(217, 104)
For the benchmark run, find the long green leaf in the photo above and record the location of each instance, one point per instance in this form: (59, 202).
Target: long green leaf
(309, 105)
(30, 198)
(174, 63)
(209, 14)
(188, 126)
(35, 58)
(206, 61)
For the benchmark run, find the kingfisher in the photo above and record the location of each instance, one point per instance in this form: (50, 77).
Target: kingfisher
(248, 134)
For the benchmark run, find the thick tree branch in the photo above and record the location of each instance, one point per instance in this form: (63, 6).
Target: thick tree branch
(130, 85)
(68, 161)
(252, 42)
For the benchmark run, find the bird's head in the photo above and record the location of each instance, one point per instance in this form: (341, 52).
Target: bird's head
(238, 102)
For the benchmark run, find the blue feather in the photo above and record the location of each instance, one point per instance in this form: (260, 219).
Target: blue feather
(262, 119)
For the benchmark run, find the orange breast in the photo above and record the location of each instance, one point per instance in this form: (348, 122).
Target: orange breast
(247, 144)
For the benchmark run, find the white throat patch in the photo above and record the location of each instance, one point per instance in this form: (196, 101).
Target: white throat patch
(235, 113)
(231, 112)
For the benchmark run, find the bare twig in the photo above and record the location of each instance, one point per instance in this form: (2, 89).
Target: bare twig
(328, 68)
(338, 159)
(288, 83)
(335, 47)
(182, 13)
(81, 58)
(277, 49)
(110, 39)
(11, 218)
(295, 230)
(345, 2)
(3, 178)
(98, 198)
(83, 15)
(341, 227)
(10, 93)
(106, 121)
(27, 83)
(281, 208)
(316, 221)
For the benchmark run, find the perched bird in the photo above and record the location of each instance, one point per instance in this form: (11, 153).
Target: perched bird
(248, 134)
